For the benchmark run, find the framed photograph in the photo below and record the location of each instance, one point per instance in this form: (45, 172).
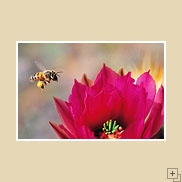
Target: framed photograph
(91, 90)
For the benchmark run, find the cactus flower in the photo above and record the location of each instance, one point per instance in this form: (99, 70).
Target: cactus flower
(114, 106)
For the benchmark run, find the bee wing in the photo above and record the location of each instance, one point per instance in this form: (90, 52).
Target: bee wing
(57, 69)
(40, 66)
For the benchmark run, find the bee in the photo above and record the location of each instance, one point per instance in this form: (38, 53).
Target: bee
(44, 77)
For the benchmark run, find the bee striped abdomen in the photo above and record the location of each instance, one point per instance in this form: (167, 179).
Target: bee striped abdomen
(34, 77)
(37, 76)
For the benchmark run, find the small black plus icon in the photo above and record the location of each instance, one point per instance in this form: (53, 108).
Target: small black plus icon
(172, 173)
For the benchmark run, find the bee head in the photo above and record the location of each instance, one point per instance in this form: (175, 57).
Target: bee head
(54, 76)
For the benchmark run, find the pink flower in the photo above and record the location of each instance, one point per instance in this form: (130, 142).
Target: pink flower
(114, 106)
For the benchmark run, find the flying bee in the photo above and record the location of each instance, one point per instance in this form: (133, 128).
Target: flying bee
(45, 76)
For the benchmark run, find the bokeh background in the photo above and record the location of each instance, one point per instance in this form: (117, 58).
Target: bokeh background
(36, 108)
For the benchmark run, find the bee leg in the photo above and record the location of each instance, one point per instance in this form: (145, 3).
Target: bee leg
(45, 82)
(42, 90)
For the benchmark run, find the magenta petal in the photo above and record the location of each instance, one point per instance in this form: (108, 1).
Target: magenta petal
(133, 106)
(100, 108)
(96, 112)
(60, 132)
(96, 88)
(65, 115)
(90, 134)
(85, 133)
(133, 131)
(156, 117)
(67, 132)
(109, 76)
(123, 82)
(133, 98)
(147, 82)
(104, 78)
(76, 99)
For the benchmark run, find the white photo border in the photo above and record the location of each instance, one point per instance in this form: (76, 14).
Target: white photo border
(93, 140)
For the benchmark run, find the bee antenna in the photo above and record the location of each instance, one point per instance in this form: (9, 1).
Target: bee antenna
(59, 72)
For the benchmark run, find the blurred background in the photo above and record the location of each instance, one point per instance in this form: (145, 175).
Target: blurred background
(36, 108)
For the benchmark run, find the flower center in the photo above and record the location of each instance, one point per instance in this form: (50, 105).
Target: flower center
(110, 130)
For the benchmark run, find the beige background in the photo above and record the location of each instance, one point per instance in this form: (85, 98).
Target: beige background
(83, 20)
